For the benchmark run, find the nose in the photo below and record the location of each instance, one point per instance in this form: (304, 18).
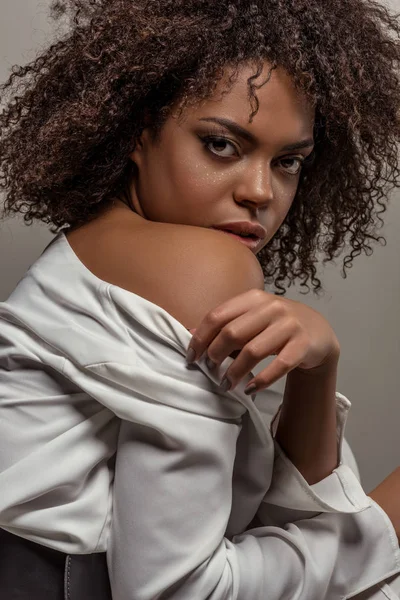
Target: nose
(255, 186)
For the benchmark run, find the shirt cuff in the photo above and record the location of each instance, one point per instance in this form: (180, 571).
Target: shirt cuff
(339, 492)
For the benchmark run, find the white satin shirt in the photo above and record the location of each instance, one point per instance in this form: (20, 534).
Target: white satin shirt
(109, 441)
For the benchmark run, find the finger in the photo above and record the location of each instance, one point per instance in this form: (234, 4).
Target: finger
(238, 333)
(217, 318)
(287, 360)
(271, 341)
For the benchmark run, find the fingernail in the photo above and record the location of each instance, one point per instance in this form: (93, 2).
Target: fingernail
(225, 385)
(250, 389)
(191, 355)
(210, 364)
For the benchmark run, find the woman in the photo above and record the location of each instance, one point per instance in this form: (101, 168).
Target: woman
(133, 139)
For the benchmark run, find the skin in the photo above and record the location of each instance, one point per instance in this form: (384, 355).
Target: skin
(183, 179)
(248, 181)
(254, 182)
(236, 179)
(230, 180)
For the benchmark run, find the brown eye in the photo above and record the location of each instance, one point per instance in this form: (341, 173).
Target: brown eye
(292, 165)
(220, 145)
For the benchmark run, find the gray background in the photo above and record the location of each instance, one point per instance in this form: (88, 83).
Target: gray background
(363, 309)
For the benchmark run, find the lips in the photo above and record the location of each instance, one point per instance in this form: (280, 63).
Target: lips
(250, 234)
(251, 242)
(241, 234)
(255, 230)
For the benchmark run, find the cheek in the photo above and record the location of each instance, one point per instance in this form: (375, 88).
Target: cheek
(193, 175)
(177, 183)
(285, 193)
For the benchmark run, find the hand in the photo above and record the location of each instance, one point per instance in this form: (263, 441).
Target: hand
(254, 325)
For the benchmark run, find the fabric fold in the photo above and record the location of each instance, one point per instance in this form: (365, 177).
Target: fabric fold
(130, 450)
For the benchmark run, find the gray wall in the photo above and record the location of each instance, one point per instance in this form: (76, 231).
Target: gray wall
(363, 309)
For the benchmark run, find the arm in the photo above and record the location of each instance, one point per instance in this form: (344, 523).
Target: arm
(307, 421)
(172, 501)
(173, 480)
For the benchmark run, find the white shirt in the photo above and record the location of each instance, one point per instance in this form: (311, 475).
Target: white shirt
(90, 371)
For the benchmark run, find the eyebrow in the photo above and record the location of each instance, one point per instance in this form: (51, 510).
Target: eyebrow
(246, 135)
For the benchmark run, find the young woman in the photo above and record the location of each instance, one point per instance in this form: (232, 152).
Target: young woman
(186, 153)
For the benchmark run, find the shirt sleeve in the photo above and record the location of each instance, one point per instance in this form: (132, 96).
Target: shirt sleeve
(172, 498)
(184, 452)
(291, 501)
(389, 590)
(290, 496)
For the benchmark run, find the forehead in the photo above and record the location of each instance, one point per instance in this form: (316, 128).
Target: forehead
(281, 105)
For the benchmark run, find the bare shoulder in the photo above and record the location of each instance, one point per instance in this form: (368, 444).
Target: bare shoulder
(194, 270)
(186, 270)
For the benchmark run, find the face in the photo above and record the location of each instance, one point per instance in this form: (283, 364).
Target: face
(212, 167)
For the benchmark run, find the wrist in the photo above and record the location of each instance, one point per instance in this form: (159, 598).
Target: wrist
(326, 369)
(307, 424)
(323, 377)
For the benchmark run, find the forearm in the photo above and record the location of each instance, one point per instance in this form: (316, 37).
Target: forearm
(307, 423)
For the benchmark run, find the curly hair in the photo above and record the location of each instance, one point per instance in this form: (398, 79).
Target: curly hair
(74, 114)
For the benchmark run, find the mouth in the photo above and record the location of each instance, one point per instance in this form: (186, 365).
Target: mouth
(249, 240)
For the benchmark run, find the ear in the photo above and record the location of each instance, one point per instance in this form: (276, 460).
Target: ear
(138, 150)
(137, 153)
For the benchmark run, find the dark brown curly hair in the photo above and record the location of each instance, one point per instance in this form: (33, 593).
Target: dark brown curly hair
(73, 116)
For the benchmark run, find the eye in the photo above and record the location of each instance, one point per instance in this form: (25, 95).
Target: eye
(220, 144)
(292, 165)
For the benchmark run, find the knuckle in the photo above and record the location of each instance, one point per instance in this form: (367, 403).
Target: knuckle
(253, 352)
(213, 317)
(230, 333)
(258, 294)
(284, 362)
(279, 308)
(297, 326)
